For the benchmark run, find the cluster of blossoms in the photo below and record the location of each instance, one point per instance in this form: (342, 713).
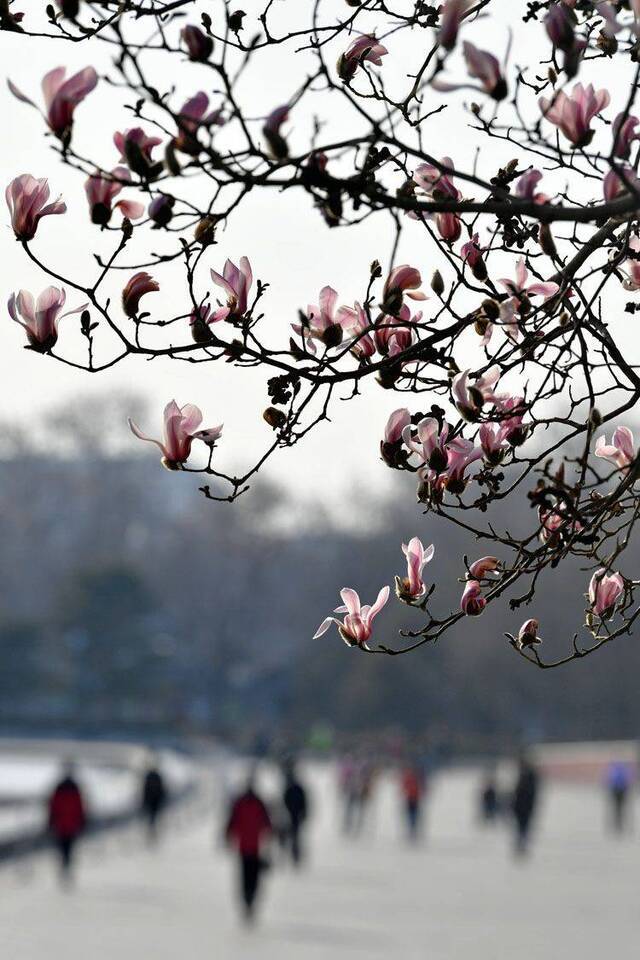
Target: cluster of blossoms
(542, 327)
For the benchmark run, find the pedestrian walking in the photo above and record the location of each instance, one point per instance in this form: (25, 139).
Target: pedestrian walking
(295, 803)
(67, 820)
(248, 830)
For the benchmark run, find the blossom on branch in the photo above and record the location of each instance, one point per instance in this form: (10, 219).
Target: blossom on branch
(40, 317)
(324, 323)
(412, 587)
(101, 192)
(139, 284)
(482, 66)
(360, 50)
(573, 114)
(452, 13)
(402, 280)
(61, 96)
(357, 625)
(199, 45)
(621, 451)
(236, 283)
(180, 429)
(604, 592)
(27, 201)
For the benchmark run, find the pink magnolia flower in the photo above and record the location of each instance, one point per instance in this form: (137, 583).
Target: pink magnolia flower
(471, 253)
(61, 96)
(480, 568)
(402, 280)
(135, 289)
(412, 587)
(180, 429)
(493, 442)
(356, 627)
(394, 335)
(461, 454)
(472, 603)
(136, 149)
(604, 592)
(620, 451)
(522, 291)
(191, 116)
(528, 634)
(574, 114)
(278, 146)
(432, 443)
(440, 186)
(356, 323)
(470, 398)
(513, 429)
(632, 281)
(556, 524)
(101, 192)
(624, 133)
(364, 48)
(199, 45)
(482, 66)
(40, 317)
(27, 201)
(449, 226)
(613, 185)
(396, 424)
(526, 187)
(560, 26)
(236, 283)
(452, 14)
(325, 323)
(201, 319)
(391, 449)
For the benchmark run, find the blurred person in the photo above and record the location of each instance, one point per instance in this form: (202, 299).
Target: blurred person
(618, 783)
(296, 805)
(153, 801)
(523, 803)
(249, 829)
(413, 786)
(489, 799)
(349, 789)
(67, 820)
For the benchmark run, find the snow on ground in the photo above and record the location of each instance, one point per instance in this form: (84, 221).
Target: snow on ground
(458, 895)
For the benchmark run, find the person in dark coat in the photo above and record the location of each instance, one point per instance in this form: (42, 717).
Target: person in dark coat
(296, 805)
(67, 820)
(523, 803)
(489, 799)
(154, 800)
(248, 830)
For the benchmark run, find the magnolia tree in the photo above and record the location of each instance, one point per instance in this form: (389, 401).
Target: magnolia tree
(507, 357)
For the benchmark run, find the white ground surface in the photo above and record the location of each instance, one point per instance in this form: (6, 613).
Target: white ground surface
(457, 895)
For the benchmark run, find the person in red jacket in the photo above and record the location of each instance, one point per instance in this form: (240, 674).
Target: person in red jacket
(67, 819)
(248, 829)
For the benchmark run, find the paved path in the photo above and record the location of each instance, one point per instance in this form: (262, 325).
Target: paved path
(458, 896)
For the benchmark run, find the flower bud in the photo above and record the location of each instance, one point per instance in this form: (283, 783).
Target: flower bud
(546, 241)
(205, 231)
(161, 210)
(437, 283)
(199, 45)
(274, 417)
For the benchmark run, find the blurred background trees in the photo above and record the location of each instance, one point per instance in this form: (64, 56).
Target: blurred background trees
(129, 605)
